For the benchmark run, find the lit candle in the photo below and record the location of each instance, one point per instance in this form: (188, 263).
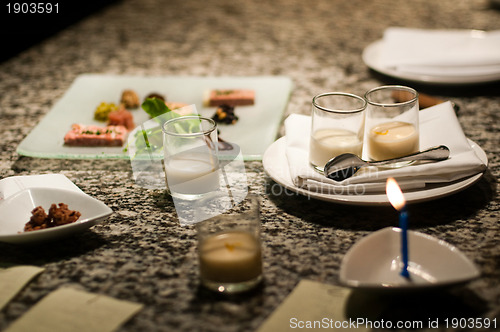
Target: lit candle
(230, 257)
(397, 200)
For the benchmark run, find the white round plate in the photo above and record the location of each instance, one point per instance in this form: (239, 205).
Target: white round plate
(374, 262)
(371, 56)
(276, 166)
(15, 212)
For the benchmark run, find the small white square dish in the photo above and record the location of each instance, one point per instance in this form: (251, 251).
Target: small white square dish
(374, 262)
(15, 212)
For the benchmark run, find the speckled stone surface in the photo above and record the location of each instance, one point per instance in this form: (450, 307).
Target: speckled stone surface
(142, 254)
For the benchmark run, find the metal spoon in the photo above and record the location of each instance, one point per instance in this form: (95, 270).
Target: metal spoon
(346, 165)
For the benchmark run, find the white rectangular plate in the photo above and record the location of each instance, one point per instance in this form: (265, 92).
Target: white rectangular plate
(256, 129)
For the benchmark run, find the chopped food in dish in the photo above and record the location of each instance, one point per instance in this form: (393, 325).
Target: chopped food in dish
(156, 95)
(102, 111)
(121, 117)
(57, 216)
(81, 135)
(130, 99)
(225, 114)
(233, 97)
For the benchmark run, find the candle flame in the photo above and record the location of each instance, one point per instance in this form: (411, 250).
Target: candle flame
(395, 194)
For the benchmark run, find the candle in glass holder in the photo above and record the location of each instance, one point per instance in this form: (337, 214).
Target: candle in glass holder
(229, 250)
(392, 139)
(230, 257)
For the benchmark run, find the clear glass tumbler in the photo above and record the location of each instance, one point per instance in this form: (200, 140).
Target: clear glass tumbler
(337, 127)
(391, 126)
(191, 157)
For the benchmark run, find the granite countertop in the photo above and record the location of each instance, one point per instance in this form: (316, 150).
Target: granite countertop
(142, 254)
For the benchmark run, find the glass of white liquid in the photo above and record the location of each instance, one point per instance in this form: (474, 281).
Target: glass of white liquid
(191, 157)
(391, 122)
(337, 127)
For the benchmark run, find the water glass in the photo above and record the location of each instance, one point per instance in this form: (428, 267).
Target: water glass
(191, 156)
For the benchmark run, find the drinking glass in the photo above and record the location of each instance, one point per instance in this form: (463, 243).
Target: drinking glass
(191, 156)
(229, 251)
(337, 127)
(391, 122)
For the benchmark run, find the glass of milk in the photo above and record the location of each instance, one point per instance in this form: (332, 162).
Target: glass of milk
(191, 157)
(337, 127)
(391, 126)
(229, 250)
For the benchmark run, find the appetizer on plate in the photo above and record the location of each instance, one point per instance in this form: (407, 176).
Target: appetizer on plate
(129, 99)
(225, 114)
(231, 97)
(121, 117)
(82, 135)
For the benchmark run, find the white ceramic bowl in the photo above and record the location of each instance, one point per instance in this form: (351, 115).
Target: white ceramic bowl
(15, 212)
(374, 262)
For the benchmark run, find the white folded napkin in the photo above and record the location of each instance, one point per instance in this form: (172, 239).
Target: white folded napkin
(441, 52)
(438, 126)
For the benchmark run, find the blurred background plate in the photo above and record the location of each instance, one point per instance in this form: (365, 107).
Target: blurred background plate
(371, 57)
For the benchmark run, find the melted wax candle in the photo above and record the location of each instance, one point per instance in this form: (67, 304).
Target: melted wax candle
(230, 257)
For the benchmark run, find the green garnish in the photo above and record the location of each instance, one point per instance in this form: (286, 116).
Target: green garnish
(155, 107)
(151, 140)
